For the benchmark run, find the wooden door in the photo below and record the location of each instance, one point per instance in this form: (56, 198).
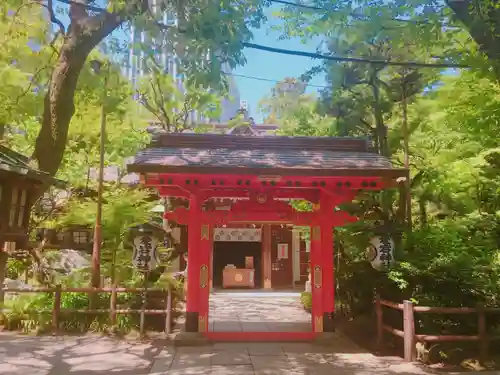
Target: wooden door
(281, 259)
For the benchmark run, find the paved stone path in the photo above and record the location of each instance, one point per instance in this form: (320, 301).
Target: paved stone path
(278, 359)
(71, 355)
(257, 312)
(95, 355)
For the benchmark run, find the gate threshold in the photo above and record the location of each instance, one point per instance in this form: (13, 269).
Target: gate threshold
(260, 336)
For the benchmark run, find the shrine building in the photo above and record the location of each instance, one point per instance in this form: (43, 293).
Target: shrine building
(235, 193)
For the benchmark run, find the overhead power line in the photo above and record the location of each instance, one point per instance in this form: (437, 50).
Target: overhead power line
(270, 80)
(357, 16)
(319, 56)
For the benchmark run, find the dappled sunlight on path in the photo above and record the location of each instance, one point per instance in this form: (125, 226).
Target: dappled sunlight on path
(257, 312)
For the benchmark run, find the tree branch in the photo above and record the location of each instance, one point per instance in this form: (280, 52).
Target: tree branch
(484, 30)
(83, 35)
(160, 100)
(54, 19)
(33, 80)
(47, 6)
(78, 10)
(92, 8)
(144, 101)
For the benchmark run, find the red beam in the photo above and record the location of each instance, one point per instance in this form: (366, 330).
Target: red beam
(203, 181)
(172, 191)
(338, 218)
(260, 336)
(307, 194)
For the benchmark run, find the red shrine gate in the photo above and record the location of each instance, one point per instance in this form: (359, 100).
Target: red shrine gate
(263, 171)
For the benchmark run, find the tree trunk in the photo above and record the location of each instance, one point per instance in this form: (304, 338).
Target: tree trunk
(422, 206)
(84, 34)
(59, 108)
(482, 21)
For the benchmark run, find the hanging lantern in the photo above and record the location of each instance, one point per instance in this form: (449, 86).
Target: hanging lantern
(145, 256)
(380, 252)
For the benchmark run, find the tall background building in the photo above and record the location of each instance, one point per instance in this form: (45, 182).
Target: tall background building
(167, 58)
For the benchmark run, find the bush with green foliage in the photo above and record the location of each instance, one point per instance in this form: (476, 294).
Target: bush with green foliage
(33, 311)
(306, 300)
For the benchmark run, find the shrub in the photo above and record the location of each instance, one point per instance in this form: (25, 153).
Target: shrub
(28, 312)
(449, 263)
(306, 300)
(33, 311)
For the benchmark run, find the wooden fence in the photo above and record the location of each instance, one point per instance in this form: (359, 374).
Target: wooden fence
(410, 338)
(113, 311)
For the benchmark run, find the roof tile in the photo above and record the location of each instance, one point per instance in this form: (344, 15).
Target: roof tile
(258, 158)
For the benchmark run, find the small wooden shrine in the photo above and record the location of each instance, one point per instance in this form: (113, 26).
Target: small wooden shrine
(19, 182)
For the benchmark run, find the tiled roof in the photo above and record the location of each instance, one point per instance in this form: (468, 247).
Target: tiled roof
(12, 161)
(259, 158)
(304, 155)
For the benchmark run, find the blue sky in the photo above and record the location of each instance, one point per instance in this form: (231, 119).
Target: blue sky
(273, 66)
(262, 64)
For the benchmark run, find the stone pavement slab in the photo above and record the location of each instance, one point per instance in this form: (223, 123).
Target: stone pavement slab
(257, 312)
(277, 359)
(97, 355)
(74, 355)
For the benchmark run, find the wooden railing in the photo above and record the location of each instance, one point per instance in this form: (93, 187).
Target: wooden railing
(409, 336)
(113, 311)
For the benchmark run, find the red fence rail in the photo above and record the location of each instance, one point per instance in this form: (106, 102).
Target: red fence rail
(112, 311)
(410, 337)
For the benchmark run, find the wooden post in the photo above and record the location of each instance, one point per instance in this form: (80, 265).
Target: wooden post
(482, 333)
(203, 286)
(194, 263)
(112, 305)
(327, 264)
(266, 257)
(143, 305)
(409, 331)
(380, 322)
(316, 257)
(56, 309)
(168, 312)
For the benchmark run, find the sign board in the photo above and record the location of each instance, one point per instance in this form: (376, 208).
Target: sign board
(145, 255)
(237, 235)
(282, 251)
(380, 252)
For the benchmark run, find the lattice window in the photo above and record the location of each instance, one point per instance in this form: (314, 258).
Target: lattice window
(13, 207)
(80, 237)
(22, 208)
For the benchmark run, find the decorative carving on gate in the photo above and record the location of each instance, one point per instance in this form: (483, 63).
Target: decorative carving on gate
(261, 198)
(316, 233)
(318, 323)
(205, 232)
(202, 323)
(204, 276)
(318, 277)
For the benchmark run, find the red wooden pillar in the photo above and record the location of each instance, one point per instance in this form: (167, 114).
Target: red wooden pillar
(193, 264)
(328, 267)
(266, 256)
(211, 264)
(204, 270)
(316, 261)
(326, 213)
